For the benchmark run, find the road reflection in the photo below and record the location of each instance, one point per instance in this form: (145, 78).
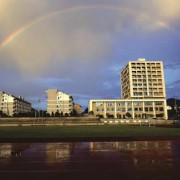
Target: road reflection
(107, 160)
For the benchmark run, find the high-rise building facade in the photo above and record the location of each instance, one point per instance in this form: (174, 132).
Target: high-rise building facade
(142, 92)
(58, 101)
(143, 79)
(11, 105)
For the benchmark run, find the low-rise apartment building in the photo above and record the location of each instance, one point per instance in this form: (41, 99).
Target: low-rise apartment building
(11, 105)
(58, 101)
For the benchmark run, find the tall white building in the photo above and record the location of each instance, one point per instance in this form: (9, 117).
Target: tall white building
(11, 105)
(58, 101)
(142, 92)
(141, 79)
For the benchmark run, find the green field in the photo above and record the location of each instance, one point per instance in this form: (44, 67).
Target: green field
(70, 132)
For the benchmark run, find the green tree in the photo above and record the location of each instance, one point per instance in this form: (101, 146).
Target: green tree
(66, 115)
(91, 113)
(52, 114)
(57, 114)
(128, 115)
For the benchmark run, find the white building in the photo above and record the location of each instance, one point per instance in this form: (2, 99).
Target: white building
(142, 79)
(137, 108)
(142, 91)
(58, 101)
(11, 105)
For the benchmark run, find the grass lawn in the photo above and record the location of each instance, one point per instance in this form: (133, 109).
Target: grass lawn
(109, 131)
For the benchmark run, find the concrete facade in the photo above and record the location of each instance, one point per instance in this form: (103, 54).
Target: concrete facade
(58, 101)
(142, 79)
(142, 91)
(11, 105)
(118, 108)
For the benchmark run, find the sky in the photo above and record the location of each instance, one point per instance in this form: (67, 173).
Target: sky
(80, 46)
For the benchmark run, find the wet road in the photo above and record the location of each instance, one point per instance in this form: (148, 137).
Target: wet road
(91, 160)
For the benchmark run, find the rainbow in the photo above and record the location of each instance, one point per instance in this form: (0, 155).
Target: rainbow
(30, 24)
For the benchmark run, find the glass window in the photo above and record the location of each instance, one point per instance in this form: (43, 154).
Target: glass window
(138, 103)
(109, 103)
(99, 103)
(129, 103)
(158, 103)
(123, 109)
(120, 103)
(148, 103)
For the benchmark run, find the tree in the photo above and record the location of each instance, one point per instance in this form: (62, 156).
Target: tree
(128, 115)
(1, 113)
(57, 114)
(74, 113)
(52, 114)
(135, 115)
(107, 115)
(85, 111)
(48, 115)
(91, 113)
(66, 115)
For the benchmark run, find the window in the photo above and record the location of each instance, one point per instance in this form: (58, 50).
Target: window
(120, 103)
(137, 103)
(99, 103)
(147, 103)
(158, 103)
(129, 103)
(123, 109)
(109, 103)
